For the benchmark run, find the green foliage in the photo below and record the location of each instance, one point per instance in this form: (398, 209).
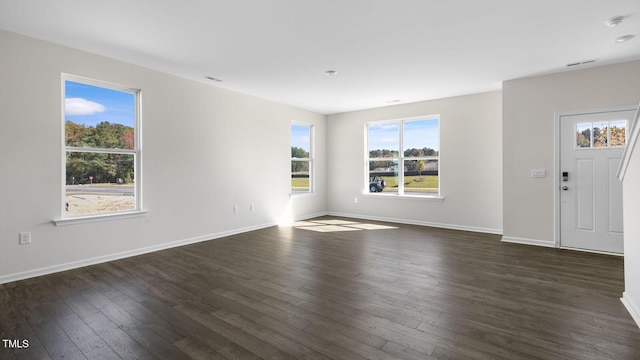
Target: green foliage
(413, 152)
(299, 166)
(410, 165)
(299, 153)
(105, 135)
(600, 137)
(413, 184)
(384, 153)
(583, 138)
(420, 152)
(617, 136)
(104, 168)
(420, 166)
(300, 183)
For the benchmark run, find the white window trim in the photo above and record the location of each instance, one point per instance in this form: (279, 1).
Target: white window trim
(310, 159)
(591, 137)
(137, 152)
(401, 158)
(99, 217)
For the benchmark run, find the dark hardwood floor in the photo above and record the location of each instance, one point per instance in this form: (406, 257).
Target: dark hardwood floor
(318, 291)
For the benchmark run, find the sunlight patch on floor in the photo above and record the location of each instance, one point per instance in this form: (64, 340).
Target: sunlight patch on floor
(337, 225)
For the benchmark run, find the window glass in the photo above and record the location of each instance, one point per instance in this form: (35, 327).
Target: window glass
(421, 176)
(101, 151)
(618, 132)
(583, 135)
(98, 117)
(600, 134)
(383, 176)
(301, 158)
(420, 138)
(99, 183)
(605, 134)
(384, 140)
(412, 171)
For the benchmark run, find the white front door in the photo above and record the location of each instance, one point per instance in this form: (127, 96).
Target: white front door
(591, 147)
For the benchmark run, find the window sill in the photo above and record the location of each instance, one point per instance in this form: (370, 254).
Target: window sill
(99, 218)
(302, 194)
(397, 196)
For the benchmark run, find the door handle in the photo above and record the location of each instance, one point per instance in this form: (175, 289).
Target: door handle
(565, 188)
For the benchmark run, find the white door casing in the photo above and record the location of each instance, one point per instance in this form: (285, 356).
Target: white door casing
(591, 147)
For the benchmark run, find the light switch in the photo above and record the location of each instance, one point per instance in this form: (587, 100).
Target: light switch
(538, 173)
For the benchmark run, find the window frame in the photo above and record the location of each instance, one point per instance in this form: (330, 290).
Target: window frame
(592, 140)
(309, 160)
(400, 159)
(136, 152)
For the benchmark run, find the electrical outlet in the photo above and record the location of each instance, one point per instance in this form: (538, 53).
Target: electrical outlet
(252, 207)
(25, 238)
(235, 209)
(355, 200)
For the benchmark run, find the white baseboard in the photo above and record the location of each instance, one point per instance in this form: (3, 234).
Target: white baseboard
(121, 255)
(420, 223)
(306, 217)
(632, 307)
(525, 241)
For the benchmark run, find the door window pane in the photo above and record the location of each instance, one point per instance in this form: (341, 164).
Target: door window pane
(583, 135)
(617, 133)
(600, 134)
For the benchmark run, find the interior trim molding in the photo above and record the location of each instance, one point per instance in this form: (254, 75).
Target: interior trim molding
(418, 222)
(525, 241)
(631, 144)
(125, 254)
(632, 307)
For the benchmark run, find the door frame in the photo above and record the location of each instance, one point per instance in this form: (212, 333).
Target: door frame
(557, 116)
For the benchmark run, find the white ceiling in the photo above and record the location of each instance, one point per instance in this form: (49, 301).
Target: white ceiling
(383, 51)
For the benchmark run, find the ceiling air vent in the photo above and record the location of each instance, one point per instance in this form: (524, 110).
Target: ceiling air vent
(583, 62)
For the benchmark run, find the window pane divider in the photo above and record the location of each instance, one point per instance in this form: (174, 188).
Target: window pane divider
(100, 150)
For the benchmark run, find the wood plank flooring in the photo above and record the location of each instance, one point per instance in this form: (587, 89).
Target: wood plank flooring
(329, 288)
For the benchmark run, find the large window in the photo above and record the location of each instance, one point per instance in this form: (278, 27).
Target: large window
(403, 156)
(102, 148)
(301, 158)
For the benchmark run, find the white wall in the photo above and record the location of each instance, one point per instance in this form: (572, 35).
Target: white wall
(470, 165)
(528, 142)
(205, 150)
(529, 129)
(631, 188)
